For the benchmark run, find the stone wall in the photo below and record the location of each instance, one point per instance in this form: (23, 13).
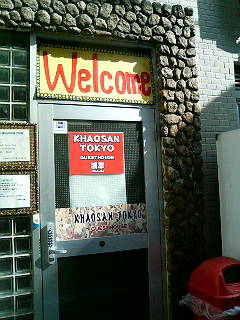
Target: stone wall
(171, 29)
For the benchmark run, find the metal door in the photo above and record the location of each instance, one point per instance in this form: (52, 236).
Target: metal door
(113, 275)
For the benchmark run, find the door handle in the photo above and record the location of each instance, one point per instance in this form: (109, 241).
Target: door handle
(57, 251)
(51, 250)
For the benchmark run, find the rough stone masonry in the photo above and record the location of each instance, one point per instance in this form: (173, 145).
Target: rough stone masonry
(171, 30)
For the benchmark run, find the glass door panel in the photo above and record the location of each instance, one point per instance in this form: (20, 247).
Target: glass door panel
(113, 201)
(102, 279)
(105, 286)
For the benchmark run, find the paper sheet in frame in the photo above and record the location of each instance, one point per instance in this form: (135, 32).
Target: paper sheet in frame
(14, 145)
(14, 191)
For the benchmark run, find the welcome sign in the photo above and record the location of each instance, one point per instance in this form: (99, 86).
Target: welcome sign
(82, 74)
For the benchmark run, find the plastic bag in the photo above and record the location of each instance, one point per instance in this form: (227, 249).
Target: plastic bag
(202, 308)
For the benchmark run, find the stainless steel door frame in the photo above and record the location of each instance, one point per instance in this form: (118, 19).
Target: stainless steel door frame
(49, 112)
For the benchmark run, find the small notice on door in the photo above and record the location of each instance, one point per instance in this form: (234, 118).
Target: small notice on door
(60, 127)
(100, 221)
(14, 191)
(96, 153)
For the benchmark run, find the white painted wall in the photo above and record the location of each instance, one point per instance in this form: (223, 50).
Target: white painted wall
(228, 149)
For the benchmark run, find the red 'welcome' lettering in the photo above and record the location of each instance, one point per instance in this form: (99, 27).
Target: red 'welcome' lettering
(84, 75)
(117, 82)
(131, 83)
(95, 72)
(122, 82)
(60, 72)
(145, 79)
(109, 76)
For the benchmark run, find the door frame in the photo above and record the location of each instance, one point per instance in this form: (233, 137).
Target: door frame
(33, 117)
(50, 111)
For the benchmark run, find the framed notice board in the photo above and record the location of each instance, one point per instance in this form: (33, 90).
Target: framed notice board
(18, 192)
(18, 169)
(17, 146)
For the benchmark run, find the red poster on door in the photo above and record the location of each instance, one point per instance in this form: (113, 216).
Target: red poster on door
(96, 153)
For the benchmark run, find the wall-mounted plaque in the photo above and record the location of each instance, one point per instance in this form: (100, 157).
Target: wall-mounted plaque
(17, 146)
(18, 194)
(84, 74)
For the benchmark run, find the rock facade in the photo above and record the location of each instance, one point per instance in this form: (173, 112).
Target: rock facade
(171, 29)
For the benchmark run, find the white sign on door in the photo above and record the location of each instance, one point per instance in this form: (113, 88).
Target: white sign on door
(60, 127)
